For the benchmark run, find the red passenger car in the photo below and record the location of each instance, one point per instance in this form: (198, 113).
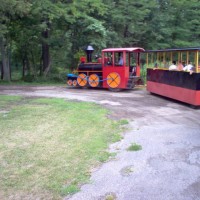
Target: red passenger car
(175, 73)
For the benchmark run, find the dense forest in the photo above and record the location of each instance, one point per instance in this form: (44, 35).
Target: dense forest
(43, 39)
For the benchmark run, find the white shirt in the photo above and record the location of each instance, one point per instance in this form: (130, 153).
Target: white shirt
(188, 67)
(172, 67)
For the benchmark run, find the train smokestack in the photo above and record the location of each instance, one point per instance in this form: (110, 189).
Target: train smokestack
(89, 50)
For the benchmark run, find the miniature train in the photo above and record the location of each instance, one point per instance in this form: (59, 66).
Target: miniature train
(118, 68)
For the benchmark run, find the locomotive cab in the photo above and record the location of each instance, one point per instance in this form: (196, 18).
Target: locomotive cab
(121, 67)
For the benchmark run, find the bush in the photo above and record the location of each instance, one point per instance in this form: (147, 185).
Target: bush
(29, 78)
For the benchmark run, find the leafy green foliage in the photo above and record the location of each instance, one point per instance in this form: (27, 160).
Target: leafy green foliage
(172, 23)
(72, 25)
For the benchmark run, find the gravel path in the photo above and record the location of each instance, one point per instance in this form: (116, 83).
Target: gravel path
(167, 167)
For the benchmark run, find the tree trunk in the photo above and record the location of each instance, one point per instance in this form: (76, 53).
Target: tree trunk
(1, 70)
(25, 64)
(41, 66)
(47, 70)
(45, 56)
(5, 60)
(24, 67)
(45, 49)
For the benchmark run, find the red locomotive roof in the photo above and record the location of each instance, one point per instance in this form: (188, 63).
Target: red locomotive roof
(129, 49)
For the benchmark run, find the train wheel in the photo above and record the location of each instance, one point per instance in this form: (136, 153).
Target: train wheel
(113, 80)
(69, 82)
(94, 80)
(75, 83)
(82, 80)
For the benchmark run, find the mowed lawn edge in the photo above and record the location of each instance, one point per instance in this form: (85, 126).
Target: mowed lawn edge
(49, 146)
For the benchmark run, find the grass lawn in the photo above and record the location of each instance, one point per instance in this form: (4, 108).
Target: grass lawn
(49, 146)
(22, 83)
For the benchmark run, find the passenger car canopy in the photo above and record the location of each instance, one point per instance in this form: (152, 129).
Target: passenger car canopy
(133, 49)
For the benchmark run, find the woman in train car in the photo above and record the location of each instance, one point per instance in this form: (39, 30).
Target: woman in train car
(180, 66)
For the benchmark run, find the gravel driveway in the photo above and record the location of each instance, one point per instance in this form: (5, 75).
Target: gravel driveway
(167, 167)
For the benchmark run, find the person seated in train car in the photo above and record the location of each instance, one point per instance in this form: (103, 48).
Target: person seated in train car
(121, 62)
(180, 66)
(173, 66)
(189, 67)
(107, 61)
(132, 70)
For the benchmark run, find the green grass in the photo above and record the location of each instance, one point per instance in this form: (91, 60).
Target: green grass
(50, 146)
(19, 82)
(123, 122)
(134, 147)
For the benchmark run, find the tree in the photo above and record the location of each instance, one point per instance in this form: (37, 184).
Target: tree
(39, 35)
(129, 20)
(174, 23)
(88, 26)
(47, 36)
(10, 10)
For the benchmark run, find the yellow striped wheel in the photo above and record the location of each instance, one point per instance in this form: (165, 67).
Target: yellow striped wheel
(94, 80)
(69, 82)
(82, 80)
(74, 82)
(113, 80)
